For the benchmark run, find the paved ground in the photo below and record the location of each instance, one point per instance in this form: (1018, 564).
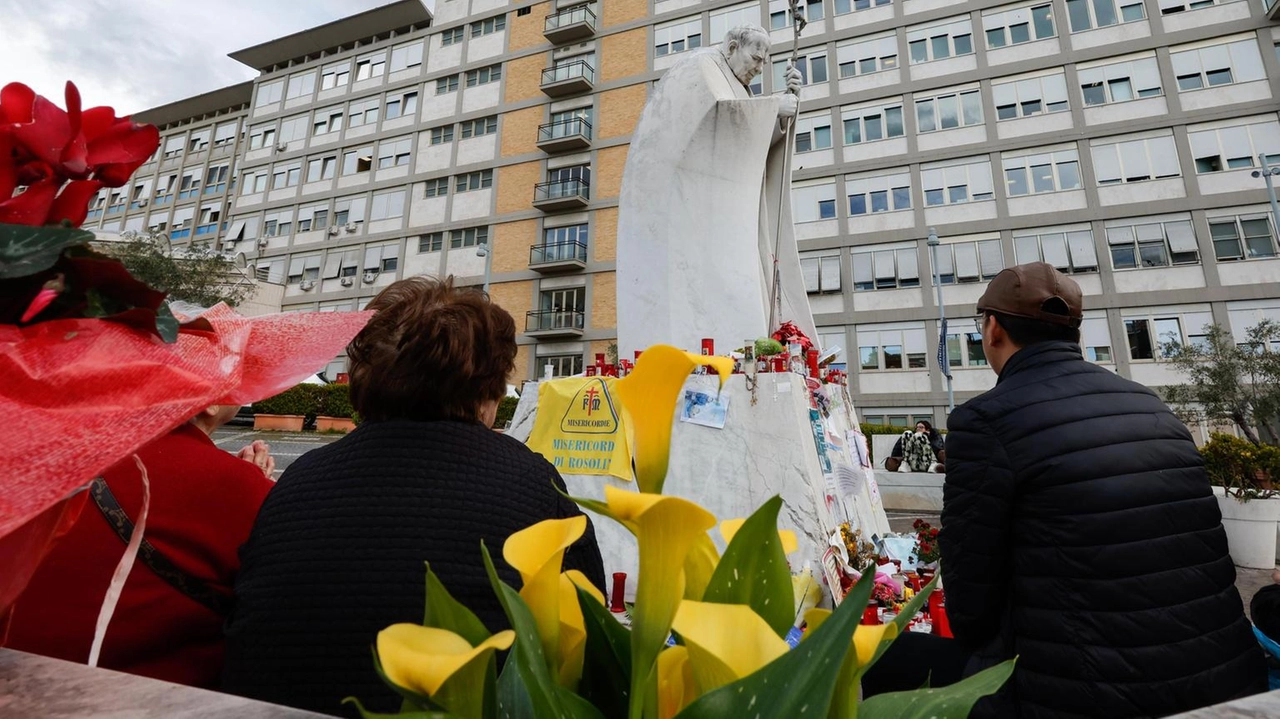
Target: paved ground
(285, 446)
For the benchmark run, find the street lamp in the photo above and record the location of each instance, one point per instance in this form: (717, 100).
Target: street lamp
(943, 363)
(482, 250)
(1266, 172)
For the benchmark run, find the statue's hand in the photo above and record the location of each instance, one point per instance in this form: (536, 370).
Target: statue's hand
(794, 80)
(788, 104)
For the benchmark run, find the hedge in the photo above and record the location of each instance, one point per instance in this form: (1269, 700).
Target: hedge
(303, 399)
(506, 410)
(335, 401)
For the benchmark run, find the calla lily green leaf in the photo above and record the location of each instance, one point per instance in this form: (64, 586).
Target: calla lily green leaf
(649, 395)
(753, 571)
(445, 612)
(730, 527)
(513, 695)
(537, 554)
(699, 566)
(426, 659)
(606, 671)
(726, 642)
(402, 715)
(869, 641)
(955, 700)
(800, 683)
(666, 527)
(676, 686)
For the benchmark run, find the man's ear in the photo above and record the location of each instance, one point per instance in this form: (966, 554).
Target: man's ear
(731, 47)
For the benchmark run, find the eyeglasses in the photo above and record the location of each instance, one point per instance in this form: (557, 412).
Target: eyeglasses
(978, 321)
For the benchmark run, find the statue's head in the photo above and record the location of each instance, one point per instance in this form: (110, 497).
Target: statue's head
(747, 49)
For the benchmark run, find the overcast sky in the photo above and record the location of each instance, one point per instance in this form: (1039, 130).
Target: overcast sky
(138, 54)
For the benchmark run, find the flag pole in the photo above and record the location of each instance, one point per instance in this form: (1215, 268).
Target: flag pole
(775, 295)
(943, 363)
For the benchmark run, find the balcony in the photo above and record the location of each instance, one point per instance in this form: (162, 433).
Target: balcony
(571, 78)
(558, 256)
(561, 195)
(570, 24)
(555, 323)
(571, 134)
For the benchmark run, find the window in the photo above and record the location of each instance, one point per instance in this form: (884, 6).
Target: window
(812, 67)
(469, 237)
(878, 193)
(1244, 316)
(1169, 7)
(215, 179)
(270, 270)
(677, 36)
(937, 42)
(1149, 331)
(566, 182)
(1089, 14)
(190, 185)
(431, 242)
(277, 224)
(561, 365)
(1071, 251)
(813, 200)
(868, 124)
(262, 136)
(442, 134)
(813, 133)
(821, 274)
(254, 182)
(1152, 242)
(438, 187)
(315, 217)
(564, 243)
(892, 347)
(863, 57)
(269, 93)
(349, 210)
(779, 14)
(722, 21)
(473, 181)
(371, 66)
(395, 152)
(1120, 81)
(1224, 64)
(293, 128)
(484, 75)
(1135, 160)
(182, 222)
(303, 268)
(488, 26)
(226, 133)
(1014, 27)
(957, 181)
(356, 161)
(446, 84)
(1242, 237)
(382, 258)
(1216, 149)
(173, 146)
(387, 205)
(1095, 338)
(337, 75)
(964, 262)
(949, 111)
(302, 85)
(1030, 96)
(964, 349)
(403, 104)
(406, 56)
(327, 120)
(208, 221)
(116, 203)
(847, 6)
(452, 36)
(885, 267)
(1042, 172)
(286, 175)
(199, 141)
(321, 168)
(480, 126)
(364, 112)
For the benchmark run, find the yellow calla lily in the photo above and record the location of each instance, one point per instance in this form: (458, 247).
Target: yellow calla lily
(666, 528)
(730, 527)
(726, 641)
(699, 566)
(580, 580)
(537, 554)
(676, 687)
(573, 634)
(866, 638)
(649, 395)
(423, 659)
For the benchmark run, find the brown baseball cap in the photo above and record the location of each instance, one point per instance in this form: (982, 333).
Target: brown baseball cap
(1024, 290)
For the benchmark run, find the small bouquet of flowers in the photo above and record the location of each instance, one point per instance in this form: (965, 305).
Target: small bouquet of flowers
(926, 551)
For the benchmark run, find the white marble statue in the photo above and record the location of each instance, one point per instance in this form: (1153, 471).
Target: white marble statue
(706, 198)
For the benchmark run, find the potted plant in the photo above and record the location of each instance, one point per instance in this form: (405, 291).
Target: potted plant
(1241, 473)
(286, 411)
(335, 413)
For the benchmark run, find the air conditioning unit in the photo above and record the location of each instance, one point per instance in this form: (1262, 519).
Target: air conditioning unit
(262, 243)
(370, 276)
(350, 229)
(282, 147)
(142, 203)
(307, 285)
(333, 231)
(347, 281)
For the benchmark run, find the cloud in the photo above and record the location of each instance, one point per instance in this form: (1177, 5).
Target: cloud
(143, 53)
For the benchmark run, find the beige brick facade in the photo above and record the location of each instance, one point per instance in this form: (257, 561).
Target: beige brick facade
(515, 186)
(609, 164)
(604, 243)
(617, 12)
(624, 54)
(521, 372)
(525, 31)
(620, 110)
(511, 241)
(523, 77)
(520, 130)
(514, 297)
(604, 301)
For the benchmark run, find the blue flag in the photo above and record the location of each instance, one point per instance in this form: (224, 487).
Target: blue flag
(942, 351)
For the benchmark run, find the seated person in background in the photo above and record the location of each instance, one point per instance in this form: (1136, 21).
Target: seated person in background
(168, 622)
(337, 552)
(920, 451)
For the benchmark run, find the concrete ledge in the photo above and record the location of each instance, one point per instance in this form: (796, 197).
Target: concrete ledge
(1258, 705)
(910, 491)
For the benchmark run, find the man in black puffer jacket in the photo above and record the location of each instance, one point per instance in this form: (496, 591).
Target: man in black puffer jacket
(1079, 532)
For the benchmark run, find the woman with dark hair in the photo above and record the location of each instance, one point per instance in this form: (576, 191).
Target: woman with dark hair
(921, 450)
(337, 553)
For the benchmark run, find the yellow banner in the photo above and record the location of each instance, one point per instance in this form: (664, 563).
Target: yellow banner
(580, 427)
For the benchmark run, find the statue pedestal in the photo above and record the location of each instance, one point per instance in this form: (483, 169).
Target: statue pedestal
(764, 449)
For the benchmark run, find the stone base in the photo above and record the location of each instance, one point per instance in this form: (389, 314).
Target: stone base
(765, 449)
